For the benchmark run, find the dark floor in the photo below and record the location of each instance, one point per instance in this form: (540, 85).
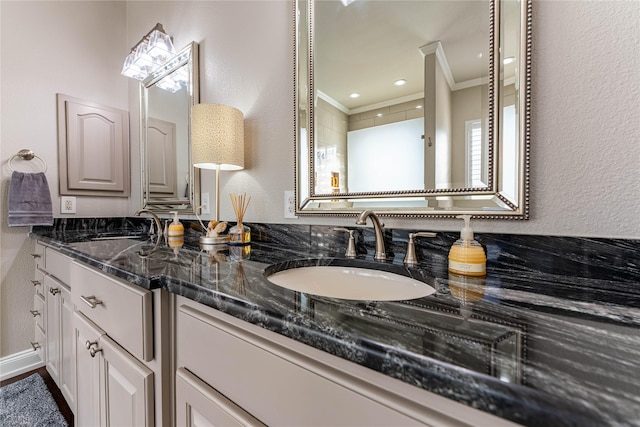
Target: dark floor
(53, 388)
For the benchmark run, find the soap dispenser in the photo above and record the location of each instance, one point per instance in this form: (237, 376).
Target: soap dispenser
(467, 256)
(175, 235)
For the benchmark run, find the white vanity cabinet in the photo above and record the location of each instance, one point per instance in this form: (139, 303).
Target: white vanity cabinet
(52, 303)
(38, 309)
(230, 369)
(113, 338)
(38, 312)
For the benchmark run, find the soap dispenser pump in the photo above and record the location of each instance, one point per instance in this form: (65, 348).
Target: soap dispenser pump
(175, 234)
(467, 256)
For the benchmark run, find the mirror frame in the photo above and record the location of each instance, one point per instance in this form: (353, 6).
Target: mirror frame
(305, 95)
(188, 57)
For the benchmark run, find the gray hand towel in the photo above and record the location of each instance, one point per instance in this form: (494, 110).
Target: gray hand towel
(29, 200)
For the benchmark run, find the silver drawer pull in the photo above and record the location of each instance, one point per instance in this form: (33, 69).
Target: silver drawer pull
(93, 351)
(54, 291)
(91, 301)
(88, 344)
(36, 282)
(35, 313)
(36, 256)
(35, 346)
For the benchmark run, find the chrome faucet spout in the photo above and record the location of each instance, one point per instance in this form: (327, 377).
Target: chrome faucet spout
(380, 253)
(155, 217)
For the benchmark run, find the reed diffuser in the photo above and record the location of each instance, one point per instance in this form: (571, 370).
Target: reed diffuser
(239, 234)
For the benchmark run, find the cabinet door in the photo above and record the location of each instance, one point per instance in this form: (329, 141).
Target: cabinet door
(52, 350)
(197, 404)
(67, 378)
(126, 388)
(93, 148)
(86, 335)
(161, 152)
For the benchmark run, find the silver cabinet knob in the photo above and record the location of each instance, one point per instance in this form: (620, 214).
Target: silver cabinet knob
(93, 351)
(88, 344)
(35, 313)
(36, 256)
(36, 282)
(54, 291)
(35, 345)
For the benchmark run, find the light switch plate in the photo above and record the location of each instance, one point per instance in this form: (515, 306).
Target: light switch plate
(67, 205)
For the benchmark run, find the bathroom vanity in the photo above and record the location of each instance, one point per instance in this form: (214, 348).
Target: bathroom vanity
(201, 336)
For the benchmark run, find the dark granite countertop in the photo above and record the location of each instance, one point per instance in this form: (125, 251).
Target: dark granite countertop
(551, 337)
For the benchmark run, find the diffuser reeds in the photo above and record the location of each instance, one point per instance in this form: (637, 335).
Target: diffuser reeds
(239, 234)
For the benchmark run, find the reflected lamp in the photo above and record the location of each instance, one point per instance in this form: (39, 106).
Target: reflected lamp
(217, 140)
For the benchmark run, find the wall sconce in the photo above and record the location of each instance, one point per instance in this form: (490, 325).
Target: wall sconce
(217, 140)
(153, 50)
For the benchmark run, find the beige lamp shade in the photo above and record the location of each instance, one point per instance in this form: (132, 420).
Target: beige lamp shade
(217, 137)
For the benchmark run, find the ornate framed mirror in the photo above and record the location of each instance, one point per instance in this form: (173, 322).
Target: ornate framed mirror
(169, 181)
(413, 108)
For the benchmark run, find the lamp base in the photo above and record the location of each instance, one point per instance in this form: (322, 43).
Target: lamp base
(211, 241)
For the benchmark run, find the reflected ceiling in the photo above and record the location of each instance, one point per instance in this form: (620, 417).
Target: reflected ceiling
(462, 27)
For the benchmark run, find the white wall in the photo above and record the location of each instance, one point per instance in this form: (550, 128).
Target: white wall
(585, 111)
(73, 48)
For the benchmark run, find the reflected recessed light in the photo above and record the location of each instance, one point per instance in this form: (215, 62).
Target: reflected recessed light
(354, 95)
(418, 107)
(400, 82)
(379, 115)
(509, 60)
(479, 55)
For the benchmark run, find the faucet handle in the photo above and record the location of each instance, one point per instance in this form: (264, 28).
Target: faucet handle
(351, 246)
(410, 257)
(152, 231)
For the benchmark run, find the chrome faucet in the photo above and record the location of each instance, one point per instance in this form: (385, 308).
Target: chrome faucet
(380, 253)
(142, 252)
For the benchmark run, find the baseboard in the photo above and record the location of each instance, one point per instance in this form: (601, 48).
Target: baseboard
(19, 363)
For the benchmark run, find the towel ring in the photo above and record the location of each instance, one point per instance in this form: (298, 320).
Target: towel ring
(26, 154)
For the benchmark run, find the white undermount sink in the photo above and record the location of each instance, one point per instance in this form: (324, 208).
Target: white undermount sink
(351, 283)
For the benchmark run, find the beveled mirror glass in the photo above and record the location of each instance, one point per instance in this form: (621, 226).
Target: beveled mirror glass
(169, 181)
(413, 108)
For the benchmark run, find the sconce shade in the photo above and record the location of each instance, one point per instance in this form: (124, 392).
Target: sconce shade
(217, 137)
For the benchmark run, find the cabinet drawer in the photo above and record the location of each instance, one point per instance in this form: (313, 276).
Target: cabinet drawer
(57, 265)
(38, 311)
(39, 343)
(38, 280)
(198, 404)
(38, 255)
(245, 369)
(124, 311)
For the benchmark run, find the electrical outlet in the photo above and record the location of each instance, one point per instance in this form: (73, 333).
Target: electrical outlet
(67, 205)
(204, 202)
(289, 205)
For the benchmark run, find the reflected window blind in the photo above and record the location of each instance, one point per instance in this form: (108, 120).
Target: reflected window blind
(474, 153)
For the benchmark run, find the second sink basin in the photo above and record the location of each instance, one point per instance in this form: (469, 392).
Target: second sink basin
(353, 283)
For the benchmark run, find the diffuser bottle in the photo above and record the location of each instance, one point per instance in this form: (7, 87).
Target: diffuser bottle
(467, 256)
